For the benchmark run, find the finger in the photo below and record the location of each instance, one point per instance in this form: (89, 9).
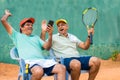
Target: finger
(44, 22)
(7, 11)
(49, 28)
(49, 25)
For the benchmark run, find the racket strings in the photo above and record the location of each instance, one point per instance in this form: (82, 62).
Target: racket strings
(90, 17)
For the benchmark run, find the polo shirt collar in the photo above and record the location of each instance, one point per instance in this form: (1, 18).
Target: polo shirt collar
(62, 35)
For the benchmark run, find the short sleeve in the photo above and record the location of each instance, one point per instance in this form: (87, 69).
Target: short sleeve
(13, 35)
(74, 39)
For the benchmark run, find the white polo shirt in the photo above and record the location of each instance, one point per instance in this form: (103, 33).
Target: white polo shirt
(65, 46)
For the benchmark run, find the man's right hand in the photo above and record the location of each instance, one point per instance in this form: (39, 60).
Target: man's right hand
(91, 30)
(5, 23)
(7, 12)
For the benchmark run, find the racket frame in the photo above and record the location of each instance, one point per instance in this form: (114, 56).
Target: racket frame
(92, 25)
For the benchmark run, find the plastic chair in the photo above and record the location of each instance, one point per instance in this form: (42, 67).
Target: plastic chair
(61, 60)
(23, 72)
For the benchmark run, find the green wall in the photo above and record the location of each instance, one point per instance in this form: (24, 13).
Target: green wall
(107, 29)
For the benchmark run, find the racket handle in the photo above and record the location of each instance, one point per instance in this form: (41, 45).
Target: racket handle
(91, 41)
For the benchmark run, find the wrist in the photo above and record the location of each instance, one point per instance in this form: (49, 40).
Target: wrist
(50, 35)
(89, 36)
(7, 15)
(43, 31)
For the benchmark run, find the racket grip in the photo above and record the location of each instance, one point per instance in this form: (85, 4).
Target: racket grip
(91, 40)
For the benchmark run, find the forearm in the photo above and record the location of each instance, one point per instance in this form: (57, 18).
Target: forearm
(43, 35)
(48, 43)
(87, 43)
(6, 24)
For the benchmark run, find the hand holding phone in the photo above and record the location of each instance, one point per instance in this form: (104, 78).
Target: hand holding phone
(51, 22)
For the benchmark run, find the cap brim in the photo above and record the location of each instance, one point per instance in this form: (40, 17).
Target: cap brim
(61, 20)
(27, 19)
(31, 19)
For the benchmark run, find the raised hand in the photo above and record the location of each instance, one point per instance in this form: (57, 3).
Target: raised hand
(46, 28)
(91, 30)
(50, 30)
(7, 12)
(5, 23)
(44, 25)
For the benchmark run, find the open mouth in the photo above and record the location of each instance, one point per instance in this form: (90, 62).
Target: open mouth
(61, 29)
(30, 28)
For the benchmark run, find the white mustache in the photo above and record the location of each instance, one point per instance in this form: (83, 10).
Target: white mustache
(30, 28)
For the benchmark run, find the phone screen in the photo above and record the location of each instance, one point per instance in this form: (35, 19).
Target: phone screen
(51, 22)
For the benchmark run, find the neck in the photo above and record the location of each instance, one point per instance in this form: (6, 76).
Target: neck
(65, 34)
(26, 34)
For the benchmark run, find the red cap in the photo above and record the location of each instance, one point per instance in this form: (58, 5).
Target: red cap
(26, 19)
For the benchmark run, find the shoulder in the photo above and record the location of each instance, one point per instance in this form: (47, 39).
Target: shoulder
(14, 32)
(35, 36)
(71, 35)
(74, 38)
(55, 35)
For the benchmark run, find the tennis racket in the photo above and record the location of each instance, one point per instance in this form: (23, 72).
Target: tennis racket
(89, 18)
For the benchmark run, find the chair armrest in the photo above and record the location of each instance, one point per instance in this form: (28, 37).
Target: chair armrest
(18, 59)
(14, 54)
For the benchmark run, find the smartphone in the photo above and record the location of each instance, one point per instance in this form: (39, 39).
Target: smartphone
(51, 22)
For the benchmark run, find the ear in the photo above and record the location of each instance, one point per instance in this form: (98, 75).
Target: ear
(21, 28)
(67, 26)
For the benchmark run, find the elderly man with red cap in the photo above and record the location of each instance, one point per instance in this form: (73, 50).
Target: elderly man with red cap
(30, 47)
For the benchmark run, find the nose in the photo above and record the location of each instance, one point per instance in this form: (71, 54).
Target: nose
(31, 26)
(60, 26)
